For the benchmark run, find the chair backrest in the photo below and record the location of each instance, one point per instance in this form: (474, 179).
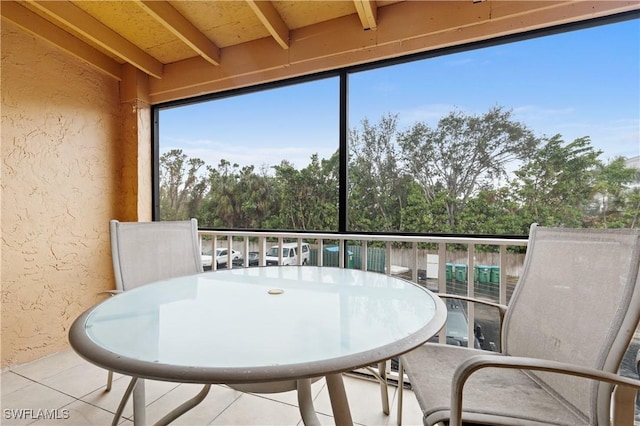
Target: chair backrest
(144, 252)
(577, 301)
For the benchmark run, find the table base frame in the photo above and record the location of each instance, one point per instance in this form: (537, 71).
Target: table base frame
(335, 386)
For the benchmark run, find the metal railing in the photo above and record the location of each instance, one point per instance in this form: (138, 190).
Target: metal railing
(442, 264)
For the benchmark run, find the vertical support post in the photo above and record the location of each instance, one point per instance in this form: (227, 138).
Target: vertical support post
(364, 255)
(503, 274)
(387, 258)
(229, 251)
(245, 250)
(214, 248)
(471, 282)
(414, 272)
(442, 267)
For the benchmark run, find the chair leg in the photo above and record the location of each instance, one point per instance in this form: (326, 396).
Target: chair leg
(400, 391)
(109, 381)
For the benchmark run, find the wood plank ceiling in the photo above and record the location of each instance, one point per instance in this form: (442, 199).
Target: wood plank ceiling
(189, 48)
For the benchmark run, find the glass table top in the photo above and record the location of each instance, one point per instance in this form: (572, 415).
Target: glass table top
(259, 317)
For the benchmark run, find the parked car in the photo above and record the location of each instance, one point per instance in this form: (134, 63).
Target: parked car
(289, 254)
(458, 326)
(221, 257)
(254, 257)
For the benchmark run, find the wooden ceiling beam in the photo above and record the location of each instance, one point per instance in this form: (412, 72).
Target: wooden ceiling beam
(272, 20)
(407, 28)
(97, 32)
(41, 28)
(368, 13)
(177, 24)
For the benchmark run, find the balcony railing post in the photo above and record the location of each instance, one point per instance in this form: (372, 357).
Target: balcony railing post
(245, 250)
(502, 285)
(471, 282)
(214, 248)
(262, 250)
(364, 256)
(320, 252)
(229, 251)
(442, 267)
(414, 269)
(387, 258)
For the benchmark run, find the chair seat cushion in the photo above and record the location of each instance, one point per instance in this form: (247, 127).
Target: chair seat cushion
(491, 396)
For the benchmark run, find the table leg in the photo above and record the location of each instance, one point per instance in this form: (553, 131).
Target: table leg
(305, 402)
(339, 403)
(384, 388)
(184, 407)
(139, 409)
(123, 401)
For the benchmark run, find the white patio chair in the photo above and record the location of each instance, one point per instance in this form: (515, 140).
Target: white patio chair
(144, 252)
(563, 336)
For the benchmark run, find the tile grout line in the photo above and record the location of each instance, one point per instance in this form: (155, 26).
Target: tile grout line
(75, 399)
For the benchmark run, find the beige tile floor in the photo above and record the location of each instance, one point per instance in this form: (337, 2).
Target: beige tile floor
(65, 386)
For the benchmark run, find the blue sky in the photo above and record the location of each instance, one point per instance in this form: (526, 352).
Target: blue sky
(582, 83)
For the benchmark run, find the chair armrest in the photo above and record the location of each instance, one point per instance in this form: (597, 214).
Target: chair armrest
(502, 309)
(477, 362)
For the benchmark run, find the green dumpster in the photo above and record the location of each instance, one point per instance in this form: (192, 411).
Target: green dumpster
(449, 267)
(330, 257)
(482, 273)
(376, 259)
(313, 257)
(461, 272)
(495, 274)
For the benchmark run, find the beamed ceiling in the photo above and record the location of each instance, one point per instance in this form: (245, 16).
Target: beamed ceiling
(190, 48)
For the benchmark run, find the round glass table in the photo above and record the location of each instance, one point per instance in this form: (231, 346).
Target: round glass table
(261, 325)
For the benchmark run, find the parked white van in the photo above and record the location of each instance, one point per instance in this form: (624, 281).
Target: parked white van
(289, 254)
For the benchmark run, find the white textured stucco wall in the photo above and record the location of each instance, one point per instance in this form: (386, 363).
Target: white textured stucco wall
(61, 171)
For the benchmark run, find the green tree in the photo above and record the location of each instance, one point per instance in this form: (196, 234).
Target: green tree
(631, 212)
(421, 215)
(223, 207)
(463, 154)
(254, 197)
(555, 185)
(611, 187)
(377, 185)
(182, 186)
(238, 197)
(492, 211)
(308, 198)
